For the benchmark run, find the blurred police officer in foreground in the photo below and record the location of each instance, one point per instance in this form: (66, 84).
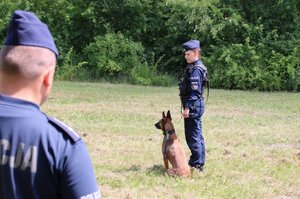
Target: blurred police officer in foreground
(40, 157)
(191, 91)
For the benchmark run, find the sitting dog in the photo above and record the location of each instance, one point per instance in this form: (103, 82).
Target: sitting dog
(172, 150)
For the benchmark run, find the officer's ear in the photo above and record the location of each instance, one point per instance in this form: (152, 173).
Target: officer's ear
(48, 77)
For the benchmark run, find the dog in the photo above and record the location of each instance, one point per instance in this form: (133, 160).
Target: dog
(172, 150)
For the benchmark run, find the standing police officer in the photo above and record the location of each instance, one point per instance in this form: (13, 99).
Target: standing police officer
(191, 90)
(40, 157)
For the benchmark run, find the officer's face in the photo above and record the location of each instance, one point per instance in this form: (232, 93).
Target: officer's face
(191, 56)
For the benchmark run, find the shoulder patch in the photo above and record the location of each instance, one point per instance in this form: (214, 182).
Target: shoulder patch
(65, 129)
(194, 85)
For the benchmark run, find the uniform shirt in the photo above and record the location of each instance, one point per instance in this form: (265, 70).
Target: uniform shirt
(195, 77)
(40, 157)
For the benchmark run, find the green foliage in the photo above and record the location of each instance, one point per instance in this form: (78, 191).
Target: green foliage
(249, 44)
(113, 55)
(141, 75)
(287, 68)
(248, 53)
(146, 76)
(244, 67)
(68, 70)
(6, 8)
(233, 66)
(149, 75)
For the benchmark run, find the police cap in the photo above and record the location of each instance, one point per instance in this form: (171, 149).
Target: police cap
(191, 44)
(26, 29)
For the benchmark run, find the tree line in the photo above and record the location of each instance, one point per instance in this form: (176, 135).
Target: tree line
(246, 44)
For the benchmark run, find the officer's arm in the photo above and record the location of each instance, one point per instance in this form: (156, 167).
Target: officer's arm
(195, 84)
(78, 178)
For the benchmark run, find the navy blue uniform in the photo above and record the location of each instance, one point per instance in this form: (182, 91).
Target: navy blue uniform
(192, 99)
(40, 157)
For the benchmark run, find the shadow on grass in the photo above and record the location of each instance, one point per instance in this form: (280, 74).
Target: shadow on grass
(156, 170)
(133, 168)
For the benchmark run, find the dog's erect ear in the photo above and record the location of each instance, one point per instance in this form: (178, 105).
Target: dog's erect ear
(163, 114)
(169, 115)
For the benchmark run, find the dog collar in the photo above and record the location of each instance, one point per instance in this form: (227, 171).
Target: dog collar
(169, 132)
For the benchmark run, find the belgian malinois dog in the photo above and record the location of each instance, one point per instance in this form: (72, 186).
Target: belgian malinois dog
(172, 150)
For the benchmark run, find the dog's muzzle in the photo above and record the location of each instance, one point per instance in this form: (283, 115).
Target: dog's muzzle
(157, 125)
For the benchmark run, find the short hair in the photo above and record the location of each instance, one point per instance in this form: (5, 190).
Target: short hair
(26, 62)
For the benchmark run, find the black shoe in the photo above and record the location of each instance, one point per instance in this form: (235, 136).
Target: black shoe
(200, 168)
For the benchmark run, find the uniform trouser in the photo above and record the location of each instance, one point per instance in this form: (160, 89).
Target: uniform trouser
(193, 134)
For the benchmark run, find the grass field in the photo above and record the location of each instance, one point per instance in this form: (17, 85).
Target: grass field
(252, 140)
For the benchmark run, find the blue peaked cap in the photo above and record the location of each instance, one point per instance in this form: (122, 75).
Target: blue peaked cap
(26, 29)
(191, 44)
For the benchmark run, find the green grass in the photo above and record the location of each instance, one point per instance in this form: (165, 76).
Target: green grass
(252, 140)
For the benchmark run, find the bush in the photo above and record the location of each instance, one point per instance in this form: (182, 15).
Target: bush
(145, 75)
(69, 69)
(234, 66)
(114, 55)
(288, 67)
(243, 66)
(148, 74)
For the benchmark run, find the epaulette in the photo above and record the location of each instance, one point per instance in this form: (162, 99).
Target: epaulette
(201, 66)
(64, 128)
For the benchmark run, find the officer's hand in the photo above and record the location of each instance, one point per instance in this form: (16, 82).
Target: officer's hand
(186, 113)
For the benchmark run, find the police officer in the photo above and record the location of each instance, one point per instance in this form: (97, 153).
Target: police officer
(191, 90)
(40, 157)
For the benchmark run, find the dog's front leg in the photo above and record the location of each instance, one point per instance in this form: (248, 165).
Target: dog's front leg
(166, 163)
